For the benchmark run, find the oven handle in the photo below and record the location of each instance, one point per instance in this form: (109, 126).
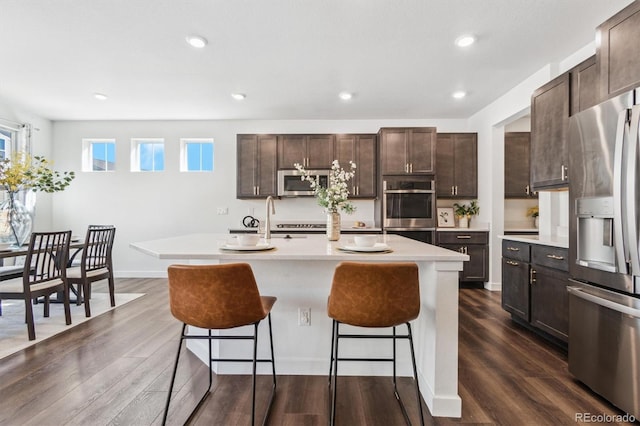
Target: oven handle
(409, 191)
(578, 292)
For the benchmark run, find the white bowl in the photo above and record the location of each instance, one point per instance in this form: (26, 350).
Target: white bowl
(5, 246)
(248, 239)
(365, 240)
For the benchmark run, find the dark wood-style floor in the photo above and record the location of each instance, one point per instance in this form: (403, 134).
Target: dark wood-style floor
(115, 368)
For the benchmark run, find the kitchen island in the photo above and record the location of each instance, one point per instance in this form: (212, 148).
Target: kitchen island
(298, 272)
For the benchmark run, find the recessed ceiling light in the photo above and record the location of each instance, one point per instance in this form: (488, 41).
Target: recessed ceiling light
(238, 96)
(100, 96)
(459, 94)
(345, 96)
(465, 40)
(197, 41)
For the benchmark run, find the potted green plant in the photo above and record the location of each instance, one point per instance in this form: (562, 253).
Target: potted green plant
(464, 212)
(534, 212)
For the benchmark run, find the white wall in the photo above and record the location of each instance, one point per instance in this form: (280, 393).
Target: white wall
(146, 206)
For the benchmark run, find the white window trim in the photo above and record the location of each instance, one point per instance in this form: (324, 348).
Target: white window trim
(87, 153)
(135, 153)
(184, 166)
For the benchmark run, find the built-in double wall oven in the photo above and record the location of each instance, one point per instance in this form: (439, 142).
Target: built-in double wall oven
(409, 206)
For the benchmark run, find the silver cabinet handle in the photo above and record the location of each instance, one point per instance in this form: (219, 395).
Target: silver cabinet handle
(463, 237)
(555, 257)
(563, 172)
(532, 276)
(512, 263)
(526, 190)
(513, 249)
(452, 190)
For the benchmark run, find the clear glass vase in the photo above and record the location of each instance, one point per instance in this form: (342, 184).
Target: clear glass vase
(333, 226)
(17, 213)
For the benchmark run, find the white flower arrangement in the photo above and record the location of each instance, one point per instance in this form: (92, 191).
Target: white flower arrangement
(335, 196)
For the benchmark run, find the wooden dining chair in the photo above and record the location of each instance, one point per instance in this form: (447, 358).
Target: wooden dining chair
(95, 265)
(44, 274)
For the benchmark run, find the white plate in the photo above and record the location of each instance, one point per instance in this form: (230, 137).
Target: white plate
(258, 247)
(375, 248)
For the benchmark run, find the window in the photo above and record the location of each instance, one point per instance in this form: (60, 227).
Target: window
(196, 155)
(6, 136)
(98, 155)
(147, 155)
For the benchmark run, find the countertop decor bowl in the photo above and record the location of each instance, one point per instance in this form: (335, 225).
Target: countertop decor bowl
(248, 240)
(365, 240)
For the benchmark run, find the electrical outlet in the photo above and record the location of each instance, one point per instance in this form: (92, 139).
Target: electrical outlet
(222, 210)
(304, 316)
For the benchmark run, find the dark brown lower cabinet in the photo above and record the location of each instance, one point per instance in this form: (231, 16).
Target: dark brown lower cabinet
(515, 287)
(474, 244)
(534, 287)
(550, 301)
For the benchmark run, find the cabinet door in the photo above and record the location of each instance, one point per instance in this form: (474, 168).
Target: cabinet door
(617, 55)
(585, 89)
(466, 165)
(256, 166)
(550, 301)
(366, 181)
(476, 269)
(549, 131)
(445, 183)
(515, 287)
(267, 167)
(320, 151)
(247, 155)
(291, 149)
(393, 151)
(421, 147)
(516, 164)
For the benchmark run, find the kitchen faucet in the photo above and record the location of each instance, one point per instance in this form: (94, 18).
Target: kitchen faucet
(267, 224)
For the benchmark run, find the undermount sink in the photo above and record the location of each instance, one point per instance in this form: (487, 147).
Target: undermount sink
(288, 236)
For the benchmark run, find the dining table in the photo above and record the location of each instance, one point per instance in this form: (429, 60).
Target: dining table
(299, 271)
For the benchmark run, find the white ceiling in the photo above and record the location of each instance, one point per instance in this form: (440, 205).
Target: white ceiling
(290, 57)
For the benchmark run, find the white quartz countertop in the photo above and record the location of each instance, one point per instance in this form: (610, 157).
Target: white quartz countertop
(547, 240)
(311, 247)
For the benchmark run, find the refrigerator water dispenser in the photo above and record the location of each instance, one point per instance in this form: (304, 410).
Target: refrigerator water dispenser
(595, 233)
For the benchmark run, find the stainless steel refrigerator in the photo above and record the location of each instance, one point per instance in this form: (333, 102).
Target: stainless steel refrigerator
(604, 264)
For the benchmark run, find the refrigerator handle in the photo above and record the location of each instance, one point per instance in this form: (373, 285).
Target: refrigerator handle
(578, 292)
(619, 228)
(631, 197)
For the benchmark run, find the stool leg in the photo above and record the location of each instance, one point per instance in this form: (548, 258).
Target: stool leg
(332, 420)
(415, 374)
(395, 383)
(273, 370)
(253, 390)
(333, 338)
(173, 377)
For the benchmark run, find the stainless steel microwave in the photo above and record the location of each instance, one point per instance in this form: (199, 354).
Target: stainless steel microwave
(290, 183)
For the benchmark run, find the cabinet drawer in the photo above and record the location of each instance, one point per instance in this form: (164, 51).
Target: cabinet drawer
(515, 250)
(450, 237)
(551, 257)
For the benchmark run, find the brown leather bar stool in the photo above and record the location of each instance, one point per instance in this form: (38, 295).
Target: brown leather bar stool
(217, 297)
(377, 295)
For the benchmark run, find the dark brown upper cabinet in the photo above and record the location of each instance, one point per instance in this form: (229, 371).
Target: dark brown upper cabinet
(407, 150)
(618, 55)
(457, 165)
(549, 134)
(517, 147)
(585, 89)
(256, 166)
(362, 150)
(311, 151)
